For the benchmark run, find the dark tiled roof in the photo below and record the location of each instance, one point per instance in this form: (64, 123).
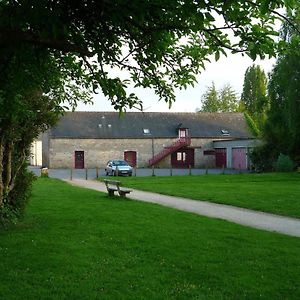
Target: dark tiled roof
(131, 125)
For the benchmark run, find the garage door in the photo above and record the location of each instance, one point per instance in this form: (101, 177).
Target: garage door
(239, 158)
(220, 157)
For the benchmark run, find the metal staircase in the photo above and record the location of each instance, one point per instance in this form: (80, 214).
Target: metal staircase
(179, 143)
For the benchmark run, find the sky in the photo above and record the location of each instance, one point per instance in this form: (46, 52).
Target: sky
(228, 70)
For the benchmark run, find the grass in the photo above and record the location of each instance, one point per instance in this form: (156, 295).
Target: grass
(277, 193)
(79, 244)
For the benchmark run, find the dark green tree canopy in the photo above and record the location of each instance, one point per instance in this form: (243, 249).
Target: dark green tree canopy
(283, 124)
(162, 44)
(282, 128)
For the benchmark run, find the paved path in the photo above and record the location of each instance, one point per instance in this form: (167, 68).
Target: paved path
(260, 220)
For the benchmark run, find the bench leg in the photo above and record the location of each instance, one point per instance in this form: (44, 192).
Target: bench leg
(111, 193)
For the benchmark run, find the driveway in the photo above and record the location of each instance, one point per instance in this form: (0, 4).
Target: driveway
(255, 219)
(92, 173)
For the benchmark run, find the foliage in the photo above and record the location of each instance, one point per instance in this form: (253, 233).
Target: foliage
(18, 198)
(252, 125)
(210, 99)
(284, 164)
(262, 158)
(282, 130)
(161, 44)
(99, 248)
(31, 90)
(224, 100)
(254, 95)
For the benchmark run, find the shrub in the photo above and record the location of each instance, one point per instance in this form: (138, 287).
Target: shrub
(8, 216)
(15, 203)
(283, 163)
(262, 159)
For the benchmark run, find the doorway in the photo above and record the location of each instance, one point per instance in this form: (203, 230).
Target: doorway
(183, 158)
(79, 159)
(221, 157)
(130, 157)
(239, 158)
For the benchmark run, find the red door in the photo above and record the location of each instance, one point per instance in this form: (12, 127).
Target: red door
(79, 159)
(239, 158)
(221, 158)
(130, 157)
(183, 158)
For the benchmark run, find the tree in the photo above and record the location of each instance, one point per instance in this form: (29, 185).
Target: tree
(229, 101)
(31, 92)
(282, 129)
(254, 96)
(210, 101)
(283, 125)
(225, 100)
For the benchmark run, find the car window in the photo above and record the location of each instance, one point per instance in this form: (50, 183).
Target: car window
(120, 163)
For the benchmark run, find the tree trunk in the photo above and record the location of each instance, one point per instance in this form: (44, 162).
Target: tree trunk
(17, 170)
(8, 167)
(1, 171)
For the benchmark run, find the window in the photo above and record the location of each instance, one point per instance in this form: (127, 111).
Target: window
(182, 133)
(179, 156)
(209, 152)
(225, 132)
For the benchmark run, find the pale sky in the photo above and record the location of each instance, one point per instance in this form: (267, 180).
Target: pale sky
(230, 69)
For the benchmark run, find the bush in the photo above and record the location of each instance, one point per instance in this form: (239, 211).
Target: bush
(15, 203)
(262, 159)
(8, 216)
(283, 164)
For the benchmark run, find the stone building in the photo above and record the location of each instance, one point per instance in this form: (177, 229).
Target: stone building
(180, 140)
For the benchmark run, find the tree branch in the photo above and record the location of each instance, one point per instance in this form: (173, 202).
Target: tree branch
(13, 35)
(281, 16)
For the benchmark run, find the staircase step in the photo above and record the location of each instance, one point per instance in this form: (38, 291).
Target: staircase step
(179, 143)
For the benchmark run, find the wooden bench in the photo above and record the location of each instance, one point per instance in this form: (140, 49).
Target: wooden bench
(113, 186)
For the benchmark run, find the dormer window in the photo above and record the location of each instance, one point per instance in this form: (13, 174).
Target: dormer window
(183, 132)
(225, 132)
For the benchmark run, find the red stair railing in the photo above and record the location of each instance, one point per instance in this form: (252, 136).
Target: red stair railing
(179, 143)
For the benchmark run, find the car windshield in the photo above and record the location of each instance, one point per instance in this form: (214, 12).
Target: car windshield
(120, 163)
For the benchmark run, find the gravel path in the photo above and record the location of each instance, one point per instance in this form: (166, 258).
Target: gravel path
(260, 220)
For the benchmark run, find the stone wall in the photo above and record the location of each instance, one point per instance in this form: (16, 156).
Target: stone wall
(98, 151)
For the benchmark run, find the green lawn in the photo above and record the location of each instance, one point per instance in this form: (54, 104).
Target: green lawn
(79, 244)
(277, 193)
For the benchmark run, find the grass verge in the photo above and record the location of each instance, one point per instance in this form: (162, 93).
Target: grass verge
(277, 193)
(79, 244)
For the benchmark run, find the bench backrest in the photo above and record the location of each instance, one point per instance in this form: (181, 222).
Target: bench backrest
(112, 182)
